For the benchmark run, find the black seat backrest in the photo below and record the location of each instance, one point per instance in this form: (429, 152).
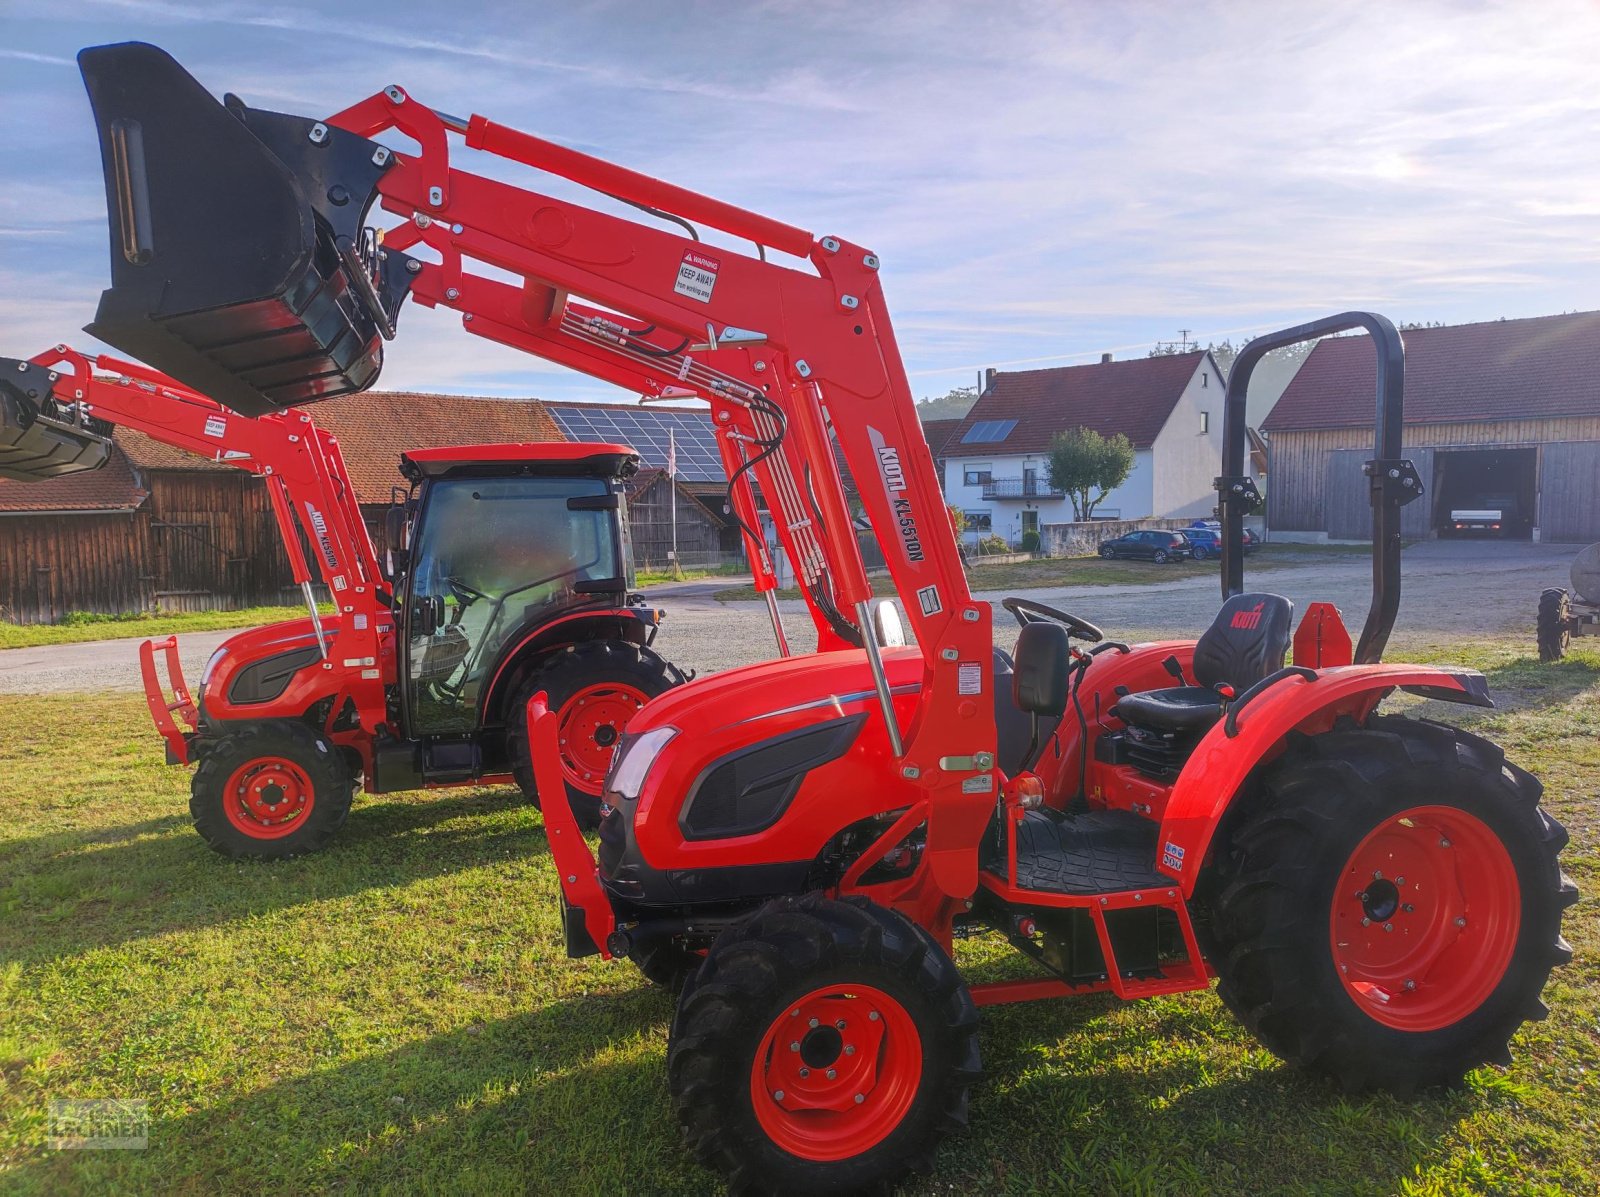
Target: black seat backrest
(1043, 667)
(1246, 641)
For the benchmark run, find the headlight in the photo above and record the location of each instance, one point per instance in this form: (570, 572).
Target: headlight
(211, 665)
(634, 759)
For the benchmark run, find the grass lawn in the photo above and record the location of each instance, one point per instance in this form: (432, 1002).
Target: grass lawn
(83, 628)
(1097, 571)
(396, 1014)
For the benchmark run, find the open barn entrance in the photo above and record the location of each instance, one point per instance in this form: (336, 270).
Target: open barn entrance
(1485, 492)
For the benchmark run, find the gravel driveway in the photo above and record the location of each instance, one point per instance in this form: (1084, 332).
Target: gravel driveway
(1450, 588)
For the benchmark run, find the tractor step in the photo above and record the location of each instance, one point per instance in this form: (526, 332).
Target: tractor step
(1096, 852)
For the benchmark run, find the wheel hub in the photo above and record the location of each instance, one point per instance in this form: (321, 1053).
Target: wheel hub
(268, 797)
(1425, 917)
(590, 723)
(836, 1072)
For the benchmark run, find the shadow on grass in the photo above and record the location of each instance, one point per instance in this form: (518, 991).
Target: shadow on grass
(1529, 682)
(569, 1097)
(70, 892)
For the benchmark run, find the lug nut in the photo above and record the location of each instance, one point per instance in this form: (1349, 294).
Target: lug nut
(1388, 926)
(813, 1022)
(873, 1016)
(860, 1097)
(805, 1072)
(1460, 921)
(794, 1046)
(1410, 984)
(839, 1025)
(778, 1096)
(1366, 922)
(849, 1049)
(1399, 880)
(832, 1075)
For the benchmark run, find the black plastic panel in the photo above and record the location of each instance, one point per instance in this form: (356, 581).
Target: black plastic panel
(749, 790)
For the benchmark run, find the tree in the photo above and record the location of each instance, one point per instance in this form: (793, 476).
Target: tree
(950, 406)
(1082, 461)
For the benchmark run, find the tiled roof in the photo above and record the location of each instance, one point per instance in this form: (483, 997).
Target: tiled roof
(374, 428)
(1501, 370)
(1133, 397)
(110, 488)
(938, 433)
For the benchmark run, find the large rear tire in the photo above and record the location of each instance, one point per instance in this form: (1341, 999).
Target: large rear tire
(824, 1046)
(594, 688)
(1389, 905)
(1554, 625)
(269, 792)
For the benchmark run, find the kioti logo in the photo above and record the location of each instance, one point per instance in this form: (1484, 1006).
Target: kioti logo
(1248, 619)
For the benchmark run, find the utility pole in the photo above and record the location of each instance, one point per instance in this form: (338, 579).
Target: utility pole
(672, 484)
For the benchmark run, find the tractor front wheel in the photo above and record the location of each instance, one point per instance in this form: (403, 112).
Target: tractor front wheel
(1390, 905)
(1555, 624)
(823, 1047)
(594, 688)
(270, 791)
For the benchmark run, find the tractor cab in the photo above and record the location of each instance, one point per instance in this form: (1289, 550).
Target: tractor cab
(496, 543)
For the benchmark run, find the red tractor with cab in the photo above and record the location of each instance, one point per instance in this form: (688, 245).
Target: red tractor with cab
(507, 571)
(800, 843)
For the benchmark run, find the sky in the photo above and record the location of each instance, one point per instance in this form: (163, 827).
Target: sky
(1043, 182)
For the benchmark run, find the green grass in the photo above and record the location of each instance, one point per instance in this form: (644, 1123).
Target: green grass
(79, 627)
(657, 577)
(396, 1013)
(1051, 572)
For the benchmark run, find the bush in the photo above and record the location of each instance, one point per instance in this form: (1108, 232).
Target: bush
(1030, 541)
(78, 619)
(993, 544)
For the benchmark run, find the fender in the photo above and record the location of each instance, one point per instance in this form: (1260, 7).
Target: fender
(1212, 778)
(637, 625)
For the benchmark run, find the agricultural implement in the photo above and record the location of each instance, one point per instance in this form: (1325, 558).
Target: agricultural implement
(798, 843)
(1564, 613)
(505, 571)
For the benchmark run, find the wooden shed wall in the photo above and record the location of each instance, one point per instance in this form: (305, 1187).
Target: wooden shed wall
(650, 520)
(53, 564)
(215, 544)
(1299, 461)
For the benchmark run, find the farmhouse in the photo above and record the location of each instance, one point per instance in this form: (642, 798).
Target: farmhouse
(1500, 417)
(1169, 406)
(157, 527)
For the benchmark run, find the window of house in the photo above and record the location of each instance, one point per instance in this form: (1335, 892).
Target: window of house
(1205, 422)
(1205, 379)
(976, 521)
(977, 473)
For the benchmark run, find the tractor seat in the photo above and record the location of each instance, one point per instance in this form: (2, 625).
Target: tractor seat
(1246, 642)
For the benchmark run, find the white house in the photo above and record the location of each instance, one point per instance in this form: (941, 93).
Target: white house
(997, 459)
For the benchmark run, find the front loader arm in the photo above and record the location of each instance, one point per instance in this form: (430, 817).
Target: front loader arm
(792, 358)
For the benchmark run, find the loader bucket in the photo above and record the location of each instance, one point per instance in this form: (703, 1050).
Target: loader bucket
(39, 437)
(237, 262)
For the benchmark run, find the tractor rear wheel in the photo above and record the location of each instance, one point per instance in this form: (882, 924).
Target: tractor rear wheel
(270, 791)
(1555, 624)
(594, 688)
(1390, 905)
(824, 1046)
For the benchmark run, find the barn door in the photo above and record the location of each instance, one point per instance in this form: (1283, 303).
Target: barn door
(1569, 492)
(1348, 501)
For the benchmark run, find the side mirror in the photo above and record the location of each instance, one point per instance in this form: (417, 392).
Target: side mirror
(1044, 660)
(427, 613)
(396, 553)
(886, 625)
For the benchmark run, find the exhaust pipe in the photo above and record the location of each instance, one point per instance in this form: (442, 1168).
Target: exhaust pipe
(240, 264)
(41, 437)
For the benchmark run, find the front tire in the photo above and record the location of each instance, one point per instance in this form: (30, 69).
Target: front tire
(824, 1046)
(1390, 905)
(1107, 552)
(594, 688)
(269, 792)
(1554, 626)
(1161, 557)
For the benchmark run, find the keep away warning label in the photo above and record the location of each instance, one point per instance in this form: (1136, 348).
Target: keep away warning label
(697, 275)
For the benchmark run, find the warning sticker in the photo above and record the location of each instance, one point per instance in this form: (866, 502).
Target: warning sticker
(969, 678)
(697, 275)
(928, 596)
(216, 426)
(980, 784)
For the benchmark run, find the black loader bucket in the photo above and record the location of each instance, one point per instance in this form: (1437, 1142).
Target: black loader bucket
(239, 262)
(41, 437)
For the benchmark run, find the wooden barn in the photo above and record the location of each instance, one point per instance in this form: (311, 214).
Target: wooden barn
(161, 529)
(701, 532)
(1500, 417)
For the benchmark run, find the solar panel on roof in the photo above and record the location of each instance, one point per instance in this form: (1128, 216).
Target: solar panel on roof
(649, 431)
(986, 432)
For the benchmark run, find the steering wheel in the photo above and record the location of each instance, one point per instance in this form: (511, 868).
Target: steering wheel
(465, 594)
(1027, 611)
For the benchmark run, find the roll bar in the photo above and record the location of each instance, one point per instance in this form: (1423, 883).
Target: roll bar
(1394, 481)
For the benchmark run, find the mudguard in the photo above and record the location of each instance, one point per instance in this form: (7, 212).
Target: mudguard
(1220, 763)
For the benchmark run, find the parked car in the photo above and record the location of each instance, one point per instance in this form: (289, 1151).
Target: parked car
(1206, 542)
(1159, 547)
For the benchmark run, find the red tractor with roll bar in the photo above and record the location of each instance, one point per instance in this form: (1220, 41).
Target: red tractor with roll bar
(507, 572)
(799, 842)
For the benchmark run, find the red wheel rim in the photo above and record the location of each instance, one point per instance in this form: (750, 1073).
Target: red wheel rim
(1425, 918)
(836, 1072)
(591, 723)
(268, 798)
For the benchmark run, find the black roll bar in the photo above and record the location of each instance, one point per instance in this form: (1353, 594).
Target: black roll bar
(1394, 480)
